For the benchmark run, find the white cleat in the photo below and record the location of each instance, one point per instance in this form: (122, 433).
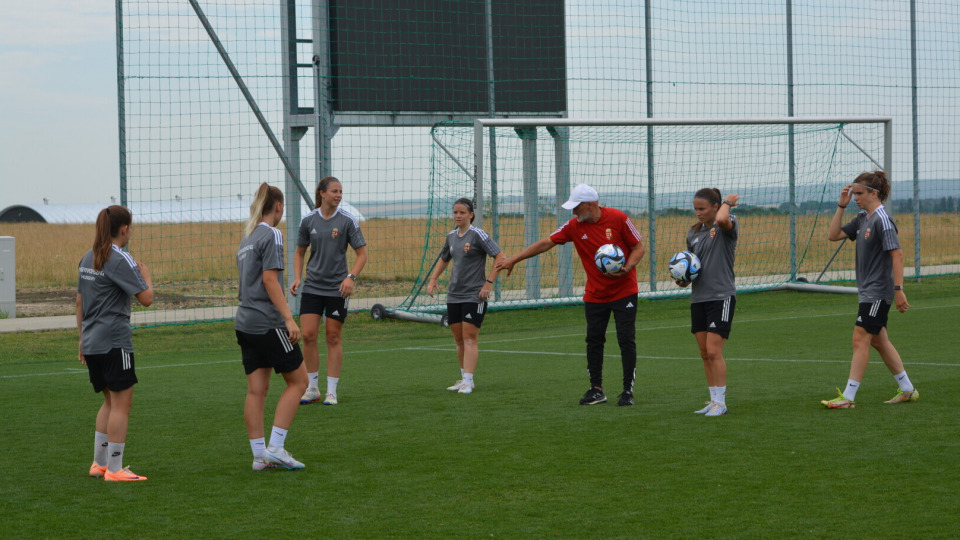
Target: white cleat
(281, 458)
(456, 386)
(718, 409)
(466, 388)
(705, 409)
(312, 395)
(331, 399)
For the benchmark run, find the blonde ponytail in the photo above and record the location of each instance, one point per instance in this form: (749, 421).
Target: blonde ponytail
(267, 196)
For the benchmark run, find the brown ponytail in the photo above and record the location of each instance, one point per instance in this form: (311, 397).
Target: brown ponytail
(877, 181)
(109, 221)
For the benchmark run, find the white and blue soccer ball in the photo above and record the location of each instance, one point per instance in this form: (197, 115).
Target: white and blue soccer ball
(684, 266)
(609, 258)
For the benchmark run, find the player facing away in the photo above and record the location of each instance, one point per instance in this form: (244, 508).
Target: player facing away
(468, 247)
(591, 227)
(327, 230)
(713, 239)
(266, 331)
(108, 277)
(879, 284)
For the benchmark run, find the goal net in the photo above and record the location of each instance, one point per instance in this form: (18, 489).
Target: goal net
(787, 172)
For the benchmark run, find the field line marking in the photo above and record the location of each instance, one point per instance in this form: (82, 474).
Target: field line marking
(646, 357)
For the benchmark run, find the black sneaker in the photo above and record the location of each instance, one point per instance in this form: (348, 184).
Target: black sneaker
(626, 398)
(593, 396)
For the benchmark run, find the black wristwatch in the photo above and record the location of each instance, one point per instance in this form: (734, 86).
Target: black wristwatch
(351, 276)
(898, 287)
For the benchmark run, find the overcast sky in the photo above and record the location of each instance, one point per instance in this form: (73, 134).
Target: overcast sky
(58, 106)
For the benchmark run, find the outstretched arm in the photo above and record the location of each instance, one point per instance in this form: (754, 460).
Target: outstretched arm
(534, 249)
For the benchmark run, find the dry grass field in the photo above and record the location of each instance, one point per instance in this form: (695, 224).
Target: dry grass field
(193, 264)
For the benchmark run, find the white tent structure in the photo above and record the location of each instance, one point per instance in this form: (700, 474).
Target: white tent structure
(199, 211)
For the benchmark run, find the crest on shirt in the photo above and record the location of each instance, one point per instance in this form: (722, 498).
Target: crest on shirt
(866, 233)
(713, 231)
(609, 234)
(466, 247)
(335, 233)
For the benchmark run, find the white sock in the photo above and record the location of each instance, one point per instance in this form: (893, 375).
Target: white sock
(468, 379)
(461, 374)
(115, 457)
(332, 385)
(277, 437)
(851, 391)
(100, 448)
(720, 395)
(904, 381)
(314, 377)
(258, 446)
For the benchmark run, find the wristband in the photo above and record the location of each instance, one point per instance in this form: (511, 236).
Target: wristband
(351, 276)
(488, 281)
(726, 202)
(840, 205)
(898, 287)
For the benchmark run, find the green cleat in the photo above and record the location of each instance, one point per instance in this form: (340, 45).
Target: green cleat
(838, 402)
(903, 397)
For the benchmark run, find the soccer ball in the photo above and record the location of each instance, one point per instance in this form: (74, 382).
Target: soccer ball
(684, 266)
(609, 258)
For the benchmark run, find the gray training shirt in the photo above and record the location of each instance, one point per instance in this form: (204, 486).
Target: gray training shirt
(328, 239)
(262, 250)
(105, 301)
(469, 253)
(717, 250)
(875, 237)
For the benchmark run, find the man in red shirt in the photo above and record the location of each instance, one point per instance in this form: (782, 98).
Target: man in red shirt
(591, 227)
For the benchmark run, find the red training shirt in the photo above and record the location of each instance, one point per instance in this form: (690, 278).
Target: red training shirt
(613, 227)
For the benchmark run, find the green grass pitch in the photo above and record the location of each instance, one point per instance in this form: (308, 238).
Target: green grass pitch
(402, 457)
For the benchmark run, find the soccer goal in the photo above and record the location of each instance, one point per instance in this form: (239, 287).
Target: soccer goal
(787, 172)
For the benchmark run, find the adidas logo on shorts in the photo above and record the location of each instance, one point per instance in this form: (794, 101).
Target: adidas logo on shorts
(336, 312)
(468, 316)
(629, 304)
(712, 325)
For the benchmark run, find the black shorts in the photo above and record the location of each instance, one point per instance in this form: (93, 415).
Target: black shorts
(872, 316)
(113, 370)
(471, 312)
(715, 316)
(270, 350)
(333, 307)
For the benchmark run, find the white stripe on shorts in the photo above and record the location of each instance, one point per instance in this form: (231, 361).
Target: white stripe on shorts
(125, 358)
(284, 340)
(725, 314)
(874, 308)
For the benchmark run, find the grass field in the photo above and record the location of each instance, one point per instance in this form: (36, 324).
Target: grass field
(402, 457)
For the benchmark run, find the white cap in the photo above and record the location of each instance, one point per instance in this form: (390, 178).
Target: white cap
(581, 193)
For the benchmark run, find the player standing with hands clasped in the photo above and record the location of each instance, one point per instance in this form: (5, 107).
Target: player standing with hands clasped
(470, 287)
(616, 292)
(713, 239)
(879, 284)
(327, 230)
(108, 277)
(266, 331)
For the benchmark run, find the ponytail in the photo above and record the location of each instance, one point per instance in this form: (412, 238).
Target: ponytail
(109, 221)
(267, 196)
(877, 181)
(322, 187)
